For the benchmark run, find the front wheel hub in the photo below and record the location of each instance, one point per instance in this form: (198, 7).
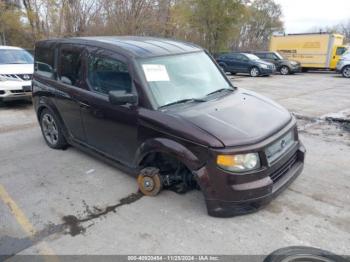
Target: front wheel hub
(150, 181)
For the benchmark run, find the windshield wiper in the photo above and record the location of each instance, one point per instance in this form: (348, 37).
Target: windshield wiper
(184, 101)
(220, 90)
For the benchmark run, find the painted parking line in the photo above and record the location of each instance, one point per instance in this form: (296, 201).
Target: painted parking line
(23, 221)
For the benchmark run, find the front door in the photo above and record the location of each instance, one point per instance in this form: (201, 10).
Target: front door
(110, 129)
(338, 51)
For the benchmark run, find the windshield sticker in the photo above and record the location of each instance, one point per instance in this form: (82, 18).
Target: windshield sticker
(155, 73)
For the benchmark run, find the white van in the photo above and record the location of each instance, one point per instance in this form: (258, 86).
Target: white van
(343, 65)
(16, 71)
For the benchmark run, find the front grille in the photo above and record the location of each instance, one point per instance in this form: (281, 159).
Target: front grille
(11, 77)
(26, 77)
(280, 172)
(17, 91)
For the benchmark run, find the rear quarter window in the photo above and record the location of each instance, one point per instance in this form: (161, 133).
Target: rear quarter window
(44, 62)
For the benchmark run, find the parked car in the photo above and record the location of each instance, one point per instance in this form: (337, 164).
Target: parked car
(163, 111)
(16, 70)
(245, 63)
(284, 66)
(343, 65)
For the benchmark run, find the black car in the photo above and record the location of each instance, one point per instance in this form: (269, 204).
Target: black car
(283, 65)
(245, 63)
(164, 111)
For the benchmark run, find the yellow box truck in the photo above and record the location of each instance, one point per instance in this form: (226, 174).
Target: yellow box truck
(312, 50)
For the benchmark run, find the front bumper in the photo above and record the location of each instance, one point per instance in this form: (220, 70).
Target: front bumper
(267, 71)
(229, 195)
(295, 68)
(15, 90)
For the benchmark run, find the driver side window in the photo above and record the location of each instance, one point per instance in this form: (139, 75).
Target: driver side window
(107, 74)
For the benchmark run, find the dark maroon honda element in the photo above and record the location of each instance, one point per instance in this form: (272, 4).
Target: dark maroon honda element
(164, 111)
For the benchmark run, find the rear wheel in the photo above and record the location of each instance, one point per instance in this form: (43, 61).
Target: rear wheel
(52, 130)
(150, 181)
(284, 70)
(254, 71)
(346, 72)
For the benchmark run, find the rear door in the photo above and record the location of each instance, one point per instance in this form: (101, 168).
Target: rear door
(243, 63)
(234, 63)
(69, 87)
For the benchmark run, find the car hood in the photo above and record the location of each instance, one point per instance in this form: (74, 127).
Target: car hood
(241, 118)
(13, 69)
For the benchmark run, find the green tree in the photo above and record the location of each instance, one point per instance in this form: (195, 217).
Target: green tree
(12, 29)
(262, 18)
(212, 21)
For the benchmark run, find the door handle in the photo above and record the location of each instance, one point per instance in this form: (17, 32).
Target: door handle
(84, 106)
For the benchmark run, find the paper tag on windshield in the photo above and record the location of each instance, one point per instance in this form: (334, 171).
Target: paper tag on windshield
(155, 73)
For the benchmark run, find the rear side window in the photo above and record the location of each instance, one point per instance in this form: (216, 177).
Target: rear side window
(44, 62)
(70, 67)
(107, 74)
(271, 56)
(261, 55)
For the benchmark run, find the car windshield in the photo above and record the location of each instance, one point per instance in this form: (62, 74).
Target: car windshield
(252, 57)
(15, 56)
(181, 78)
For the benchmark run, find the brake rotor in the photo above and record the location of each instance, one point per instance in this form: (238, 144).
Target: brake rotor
(150, 181)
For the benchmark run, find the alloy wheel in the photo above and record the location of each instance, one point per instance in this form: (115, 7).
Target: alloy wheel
(50, 129)
(284, 70)
(254, 72)
(346, 72)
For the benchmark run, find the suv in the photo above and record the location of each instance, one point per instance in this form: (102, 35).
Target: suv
(16, 70)
(164, 111)
(283, 65)
(343, 65)
(245, 63)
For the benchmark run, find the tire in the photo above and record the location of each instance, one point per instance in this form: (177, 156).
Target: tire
(346, 71)
(300, 253)
(150, 181)
(52, 130)
(254, 71)
(284, 70)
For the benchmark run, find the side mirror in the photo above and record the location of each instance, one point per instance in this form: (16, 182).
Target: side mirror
(121, 98)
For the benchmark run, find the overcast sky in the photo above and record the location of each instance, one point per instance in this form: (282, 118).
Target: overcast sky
(302, 15)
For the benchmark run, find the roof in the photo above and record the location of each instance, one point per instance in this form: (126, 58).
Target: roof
(10, 47)
(136, 46)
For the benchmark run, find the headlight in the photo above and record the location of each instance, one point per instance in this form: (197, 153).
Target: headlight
(293, 63)
(239, 163)
(264, 66)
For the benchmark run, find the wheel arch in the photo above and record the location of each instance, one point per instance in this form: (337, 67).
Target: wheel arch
(167, 147)
(45, 103)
